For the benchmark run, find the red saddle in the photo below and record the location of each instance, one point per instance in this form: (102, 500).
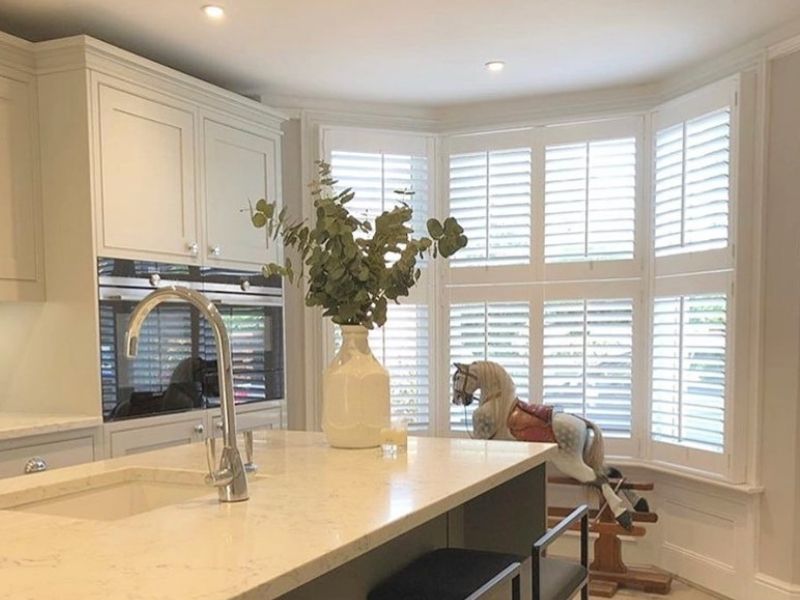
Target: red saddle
(531, 422)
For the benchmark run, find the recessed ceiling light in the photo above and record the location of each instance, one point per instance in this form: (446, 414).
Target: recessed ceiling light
(213, 11)
(495, 65)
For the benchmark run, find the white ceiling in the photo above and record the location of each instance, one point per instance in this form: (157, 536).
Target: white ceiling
(422, 52)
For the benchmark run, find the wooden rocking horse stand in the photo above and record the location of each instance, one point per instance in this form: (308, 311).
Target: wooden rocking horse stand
(608, 572)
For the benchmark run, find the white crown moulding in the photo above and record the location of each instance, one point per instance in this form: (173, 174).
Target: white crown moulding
(85, 52)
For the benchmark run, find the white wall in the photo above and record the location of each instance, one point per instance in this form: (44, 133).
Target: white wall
(779, 536)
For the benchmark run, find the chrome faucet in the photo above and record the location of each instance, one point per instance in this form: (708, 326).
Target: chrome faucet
(229, 478)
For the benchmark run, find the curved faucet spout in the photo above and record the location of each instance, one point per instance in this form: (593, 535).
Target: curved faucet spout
(232, 487)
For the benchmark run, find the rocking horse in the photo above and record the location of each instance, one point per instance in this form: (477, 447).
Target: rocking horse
(502, 416)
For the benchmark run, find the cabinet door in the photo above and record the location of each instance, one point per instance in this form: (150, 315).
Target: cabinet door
(241, 168)
(147, 204)
(19, 235)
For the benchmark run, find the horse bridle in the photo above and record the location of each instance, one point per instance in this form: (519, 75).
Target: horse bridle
(466, 397)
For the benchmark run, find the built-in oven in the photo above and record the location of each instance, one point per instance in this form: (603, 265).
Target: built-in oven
(176, 366)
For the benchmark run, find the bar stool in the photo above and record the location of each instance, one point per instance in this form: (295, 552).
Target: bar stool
(459, 574)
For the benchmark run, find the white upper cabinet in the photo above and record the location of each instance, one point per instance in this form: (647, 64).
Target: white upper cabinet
(20, 250)
(146, 200)
(241, 167)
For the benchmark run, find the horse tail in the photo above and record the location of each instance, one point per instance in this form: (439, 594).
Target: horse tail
(594, 454)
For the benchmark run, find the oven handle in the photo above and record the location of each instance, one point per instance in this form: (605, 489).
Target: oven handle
(243, 299)
(226, 299)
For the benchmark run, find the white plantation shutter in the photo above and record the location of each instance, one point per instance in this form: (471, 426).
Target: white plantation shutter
(692, 184)
(375, 177)
(490, 195)
(590, 200)
(402, 347)
(495, 331)
(376, 165)
(689, 370)
(587, 360)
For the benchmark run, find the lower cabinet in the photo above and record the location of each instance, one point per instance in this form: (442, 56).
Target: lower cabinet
(247, 420)
(153, 433)
(46, 452)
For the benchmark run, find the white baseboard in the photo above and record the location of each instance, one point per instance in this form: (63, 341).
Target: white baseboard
(766, 587)
(702, 570)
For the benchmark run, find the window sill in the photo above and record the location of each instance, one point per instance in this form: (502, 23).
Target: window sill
(748, 489)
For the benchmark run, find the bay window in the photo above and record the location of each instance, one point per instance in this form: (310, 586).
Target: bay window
(600, 271)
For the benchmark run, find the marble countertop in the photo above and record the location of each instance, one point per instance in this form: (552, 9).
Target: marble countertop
(311, 509)
(17, 424)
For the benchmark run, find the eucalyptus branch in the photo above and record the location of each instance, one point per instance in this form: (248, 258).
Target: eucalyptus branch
(346, 268)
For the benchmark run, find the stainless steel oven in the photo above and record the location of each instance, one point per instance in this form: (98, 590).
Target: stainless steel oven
(176, 368)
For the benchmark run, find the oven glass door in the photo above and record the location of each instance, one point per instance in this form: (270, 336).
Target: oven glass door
(176, 367)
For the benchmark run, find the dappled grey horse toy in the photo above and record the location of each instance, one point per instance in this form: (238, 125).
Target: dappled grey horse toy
(580, 452)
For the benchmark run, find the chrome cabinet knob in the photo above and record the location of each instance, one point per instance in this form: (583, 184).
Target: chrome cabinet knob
(155, 279)
(219, 425)
(215, 251)
(199, 429)
(35, 465)
(193, 248)
(244, 285)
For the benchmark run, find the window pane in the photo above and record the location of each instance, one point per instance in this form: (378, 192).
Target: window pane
(590, 201)
(587, 361)
(692, 184)
(490, 195)
(689, 362)
(495, 331)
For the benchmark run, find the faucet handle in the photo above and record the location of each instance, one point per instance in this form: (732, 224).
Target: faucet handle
(211, 454)
(249, 465)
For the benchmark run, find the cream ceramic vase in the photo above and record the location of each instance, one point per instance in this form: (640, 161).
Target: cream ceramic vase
(355, 393)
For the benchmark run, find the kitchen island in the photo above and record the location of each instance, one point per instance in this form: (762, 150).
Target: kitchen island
(320, 522)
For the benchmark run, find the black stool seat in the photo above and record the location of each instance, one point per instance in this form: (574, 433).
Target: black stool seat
(445, 574)
(559, 578)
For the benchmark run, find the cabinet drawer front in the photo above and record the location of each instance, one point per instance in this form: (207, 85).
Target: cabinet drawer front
(147, 175)
(240, 169)
(156, 436)
(54, 454)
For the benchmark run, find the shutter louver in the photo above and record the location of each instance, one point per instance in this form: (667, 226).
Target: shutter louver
(495, 331)
(692, 184)
(689, 371)
(401, 345)
(587, 362)
(490, 195)
(590, 199)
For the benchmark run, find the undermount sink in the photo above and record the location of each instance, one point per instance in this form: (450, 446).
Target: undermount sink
(111, 495)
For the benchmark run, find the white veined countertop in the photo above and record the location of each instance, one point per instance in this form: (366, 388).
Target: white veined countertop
(17, 424)
(311, 509)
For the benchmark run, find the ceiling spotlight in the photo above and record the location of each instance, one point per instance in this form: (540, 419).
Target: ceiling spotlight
(213, 11)
(495, 65)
